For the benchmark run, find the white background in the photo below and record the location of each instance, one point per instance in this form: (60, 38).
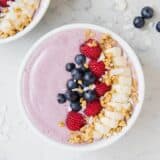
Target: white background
(18, 142)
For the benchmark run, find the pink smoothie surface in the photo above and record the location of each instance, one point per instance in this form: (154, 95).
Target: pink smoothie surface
(44, 76)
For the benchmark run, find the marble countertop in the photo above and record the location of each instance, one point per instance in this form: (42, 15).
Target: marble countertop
(18, 142)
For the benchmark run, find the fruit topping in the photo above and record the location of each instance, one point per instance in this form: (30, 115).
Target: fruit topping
(102, 88)
(158, 26)
(91, 49)
(70, 67)
(77, 74)
(89, 95)
(93, 108)
(61, 98)
(72, 84)
(80, 59)
(75, 106)
(72, 96)
(97, 68)
(89, 78)
(75, 121)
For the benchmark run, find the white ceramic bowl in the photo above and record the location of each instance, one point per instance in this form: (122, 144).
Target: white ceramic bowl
(44, 4)
(141, 89)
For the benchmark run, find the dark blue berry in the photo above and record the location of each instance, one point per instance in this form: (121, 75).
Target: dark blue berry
(147, 12)
(84, 69)
(80, 59)
(77, 74)
(138, 22)
(89, 95)
(72, 96)
(70, 66)
(71, 84)
(89, 78)
(158, 26)
(61, 98)
(75, 106)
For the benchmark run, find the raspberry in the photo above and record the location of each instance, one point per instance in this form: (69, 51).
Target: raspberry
(91, 49)
(3, 3)
(75, 121)
(102, 88)
(97, 68)
(93, 108)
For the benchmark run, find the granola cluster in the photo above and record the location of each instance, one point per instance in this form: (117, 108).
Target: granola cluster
(118, 103)
(16, 16)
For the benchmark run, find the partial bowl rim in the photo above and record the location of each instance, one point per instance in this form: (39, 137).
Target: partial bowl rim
(30, 27)
(102, 143)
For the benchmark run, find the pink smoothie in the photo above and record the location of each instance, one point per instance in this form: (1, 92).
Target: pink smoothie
(44, 77)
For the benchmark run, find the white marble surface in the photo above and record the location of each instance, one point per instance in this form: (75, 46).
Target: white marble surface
(17, 141)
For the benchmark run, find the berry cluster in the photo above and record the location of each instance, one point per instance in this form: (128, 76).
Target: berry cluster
(3, 3)
(85, 72)
(146, 13)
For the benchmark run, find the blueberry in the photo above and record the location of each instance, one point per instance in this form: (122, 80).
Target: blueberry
(147, 12)
(61, 98)
(71, 84)
(89, 95)
(138, 22)
(75, 106)
(77, 74)
(84, 69)
(70, 66)
(72, 96)
(158, 26)
(80, 59)
(89, 78)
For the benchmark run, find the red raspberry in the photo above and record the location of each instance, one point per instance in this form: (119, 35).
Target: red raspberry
(97, 68)
(3, 3)
(91, 49)
(93, 108)
(102, 88)
(75, 121)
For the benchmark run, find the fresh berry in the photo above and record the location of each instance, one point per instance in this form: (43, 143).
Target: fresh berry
(76, 106)
(93, 108)
(91, 49)
(89, 78)
(89, 95)
(72, 84)
(70, 66)
(158, 26)
(77, 74)
(61, 98)
(97, 68)
(3, 3)
(102, 88)
(72, 96)
(80, 59)
(147, 12)
(75, 121)
(138, 22)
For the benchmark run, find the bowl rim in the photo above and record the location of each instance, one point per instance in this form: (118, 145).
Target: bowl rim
(102, 143)
(30, 27)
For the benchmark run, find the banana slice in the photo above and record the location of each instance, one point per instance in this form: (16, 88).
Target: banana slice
(102, 129)
(119, 61)
(121, 71)
(119, 106)
(125, 80)
(110, 123)
(120, 88)
(115, 51)
(114, 115)
(97, 135)
(120, 98)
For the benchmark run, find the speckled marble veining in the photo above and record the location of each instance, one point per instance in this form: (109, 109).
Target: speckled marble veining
(18, 142)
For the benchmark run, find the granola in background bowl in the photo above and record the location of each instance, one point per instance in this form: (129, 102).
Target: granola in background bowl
(17, 16)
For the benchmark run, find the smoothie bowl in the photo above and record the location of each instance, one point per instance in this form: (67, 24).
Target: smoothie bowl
(18, 17)
(81, 86)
